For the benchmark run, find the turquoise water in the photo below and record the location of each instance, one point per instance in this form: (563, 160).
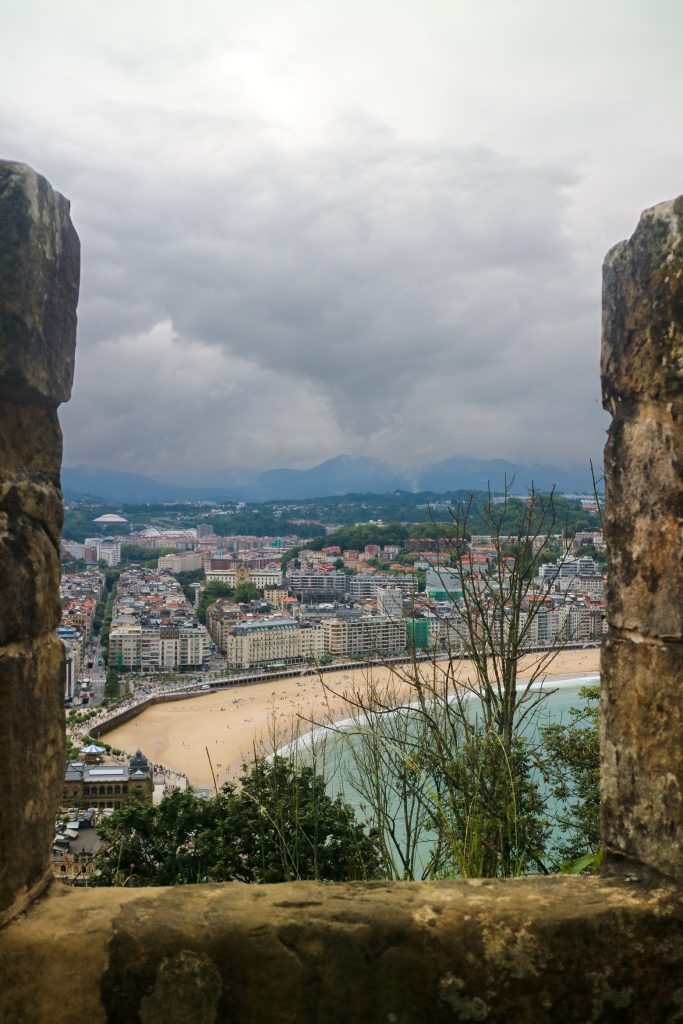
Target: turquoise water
(331, 755)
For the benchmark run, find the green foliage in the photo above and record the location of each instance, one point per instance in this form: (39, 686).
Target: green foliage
(138, 553)
(105, 625)
(490, 817)
(71, 749)
(185, 579)
(279, 826)
(408, 557)
(295, 830)
(98, 616)
(571, 765)
(111, 576)
(79, 522)
(247, 592)
(356, 537)
(112, 685)
(260, 520)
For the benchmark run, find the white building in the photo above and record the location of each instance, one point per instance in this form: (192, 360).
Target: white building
(390, 602)
(189, 561)
(310, 581)
(72, 669)
(147, 648)
(102, 549)
(594, 585)
(273, 641)
(109, 551)
(368, 636)
(363, 586)
(447, 632)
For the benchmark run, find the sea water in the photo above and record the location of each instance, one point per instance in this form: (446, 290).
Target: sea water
(329, 751)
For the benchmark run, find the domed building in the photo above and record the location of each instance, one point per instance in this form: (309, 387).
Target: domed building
(108, 785)
(111, 519)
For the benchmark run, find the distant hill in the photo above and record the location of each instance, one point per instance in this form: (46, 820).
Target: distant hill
(476, 474)
(111, 485)
(341, 475)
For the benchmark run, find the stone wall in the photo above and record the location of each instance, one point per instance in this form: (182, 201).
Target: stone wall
(527, 951)
(522, 951)
(39, 277)
(642, 663)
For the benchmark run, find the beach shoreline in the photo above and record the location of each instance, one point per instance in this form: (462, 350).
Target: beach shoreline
(235, 724)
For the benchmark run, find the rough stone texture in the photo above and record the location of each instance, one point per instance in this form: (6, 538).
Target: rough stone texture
(32, 723)
(642, 309)
(643, 518)
(642, 752)
(39, 279)
(30, 520)
(531, 950)
(642, 721)
(39, 256)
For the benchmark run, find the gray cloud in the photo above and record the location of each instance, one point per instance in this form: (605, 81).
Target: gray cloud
(355, 286)
(256, 295)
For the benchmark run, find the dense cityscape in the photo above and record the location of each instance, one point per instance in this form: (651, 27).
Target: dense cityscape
(178, 609)
(319, 605)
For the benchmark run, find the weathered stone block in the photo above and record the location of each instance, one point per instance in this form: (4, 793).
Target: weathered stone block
(39, 281)
(32, 745)
(30, 521)
(30, 443)
(642, 753)
(644, 518)
(642, 304)
(522, 951)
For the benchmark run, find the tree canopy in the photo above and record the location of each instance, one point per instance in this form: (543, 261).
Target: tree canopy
(280, 825)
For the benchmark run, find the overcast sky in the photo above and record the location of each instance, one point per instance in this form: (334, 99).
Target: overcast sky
(319, 227)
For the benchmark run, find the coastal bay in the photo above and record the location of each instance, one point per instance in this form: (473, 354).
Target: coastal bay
(234, 724)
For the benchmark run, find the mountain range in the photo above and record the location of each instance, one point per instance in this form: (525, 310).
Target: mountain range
(341, 475)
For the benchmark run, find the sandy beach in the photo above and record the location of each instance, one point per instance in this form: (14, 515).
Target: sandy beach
(234, 723)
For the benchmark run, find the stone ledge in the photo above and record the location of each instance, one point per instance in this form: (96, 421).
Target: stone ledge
(570, 949)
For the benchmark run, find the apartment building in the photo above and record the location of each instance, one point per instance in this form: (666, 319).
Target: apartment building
(549, 626)
(273, 641)
(189, 561)
(390, 602)
(594, 585)
(221, 617)
(447, 632)
(102, 549)
(586, 623)
(564, 575)
(363, 586)
(133, 647)
(311, 582)
(368, 636)
(277, 597)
